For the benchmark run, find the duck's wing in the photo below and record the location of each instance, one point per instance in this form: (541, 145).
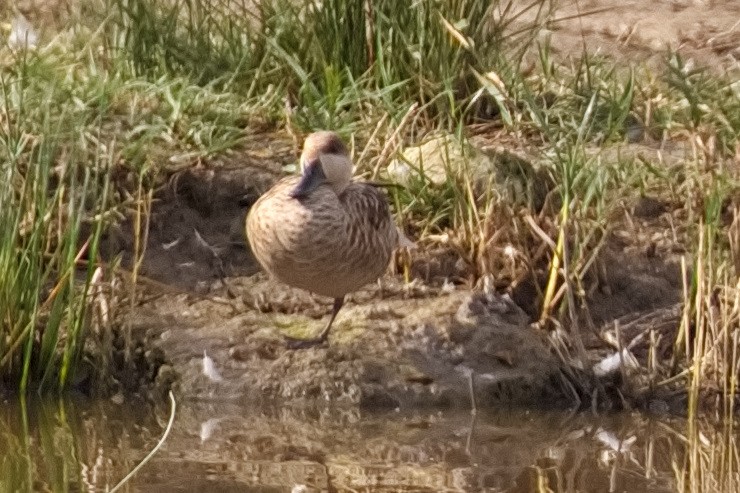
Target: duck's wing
(366, 206)
(374, 194)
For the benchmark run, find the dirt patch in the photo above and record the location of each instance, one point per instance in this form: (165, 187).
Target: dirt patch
(196, 227)
(195, 231)
(634, 282)
(645, 30)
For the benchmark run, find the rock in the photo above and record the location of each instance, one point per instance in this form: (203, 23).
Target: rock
(439, 159)
(436, 160)
(22, 34)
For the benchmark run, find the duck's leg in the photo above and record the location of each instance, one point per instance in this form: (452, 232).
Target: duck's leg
(295, 343)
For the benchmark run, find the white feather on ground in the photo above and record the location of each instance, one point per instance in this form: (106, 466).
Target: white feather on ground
(209, 369)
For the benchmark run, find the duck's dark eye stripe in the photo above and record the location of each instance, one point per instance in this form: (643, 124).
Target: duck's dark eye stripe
(335, 146)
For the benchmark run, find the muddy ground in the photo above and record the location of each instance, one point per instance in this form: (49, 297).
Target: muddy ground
(210, 324)
(395, 344)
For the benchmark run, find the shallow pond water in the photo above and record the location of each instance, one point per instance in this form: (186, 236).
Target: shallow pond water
(79, 445)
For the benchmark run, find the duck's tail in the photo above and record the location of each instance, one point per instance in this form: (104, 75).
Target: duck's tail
(403, 240)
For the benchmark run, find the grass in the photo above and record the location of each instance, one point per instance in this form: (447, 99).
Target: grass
(710, 460)
(50, 233)
(96, 118)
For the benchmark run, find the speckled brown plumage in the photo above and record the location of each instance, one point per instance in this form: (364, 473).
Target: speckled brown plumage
(332, 241)
(327, 244)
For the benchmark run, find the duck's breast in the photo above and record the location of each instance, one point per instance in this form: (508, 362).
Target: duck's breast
(324, 243)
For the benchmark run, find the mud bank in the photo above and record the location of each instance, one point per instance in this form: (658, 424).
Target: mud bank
(393, 347)
(209, 325)
(212, 329)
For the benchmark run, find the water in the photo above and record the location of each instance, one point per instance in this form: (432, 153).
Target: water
(77, 445)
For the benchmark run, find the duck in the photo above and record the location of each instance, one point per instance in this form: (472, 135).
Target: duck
(321, 231)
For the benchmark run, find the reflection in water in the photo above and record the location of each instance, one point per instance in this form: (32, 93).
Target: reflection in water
(89, 446)
(70, 445)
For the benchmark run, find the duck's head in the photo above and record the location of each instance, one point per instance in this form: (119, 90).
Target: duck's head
(325, 160)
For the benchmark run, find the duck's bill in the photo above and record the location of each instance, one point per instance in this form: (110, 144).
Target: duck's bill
(313, 176)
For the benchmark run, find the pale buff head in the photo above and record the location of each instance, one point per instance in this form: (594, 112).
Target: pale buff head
(325, 160)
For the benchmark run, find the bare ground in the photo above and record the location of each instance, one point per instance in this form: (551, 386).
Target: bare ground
(642, 30)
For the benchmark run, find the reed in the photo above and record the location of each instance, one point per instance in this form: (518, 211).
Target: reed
(52, 204)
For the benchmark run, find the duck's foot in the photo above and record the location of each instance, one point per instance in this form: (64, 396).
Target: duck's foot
(295, 343)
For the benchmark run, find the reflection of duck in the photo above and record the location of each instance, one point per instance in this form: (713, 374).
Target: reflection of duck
(322, 232)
